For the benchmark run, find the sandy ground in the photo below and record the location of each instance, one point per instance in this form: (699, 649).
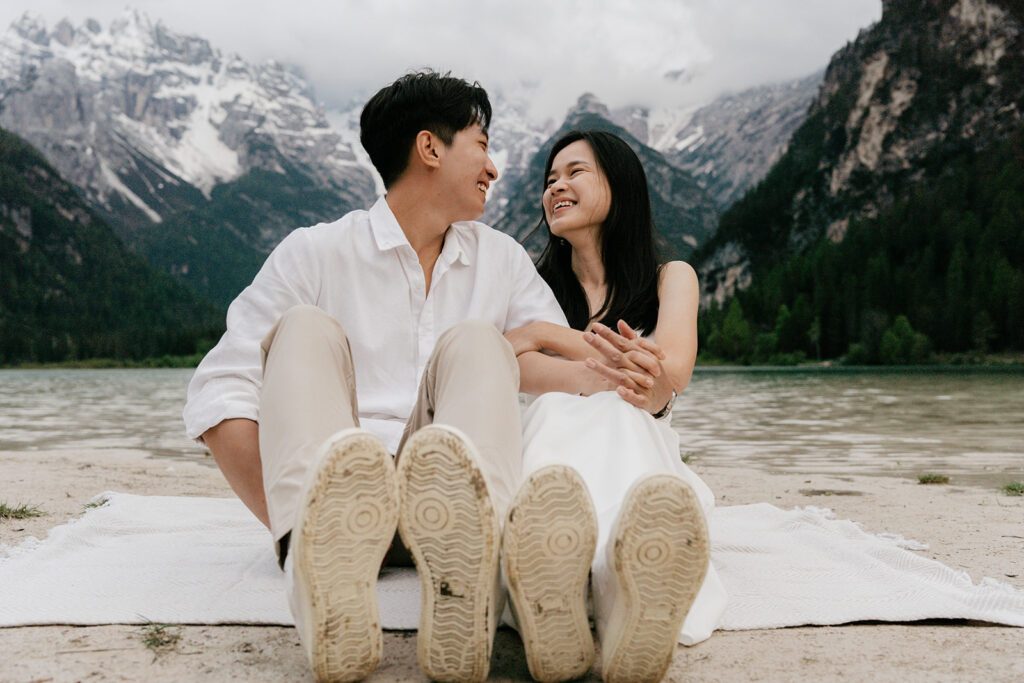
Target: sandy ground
(980, 530)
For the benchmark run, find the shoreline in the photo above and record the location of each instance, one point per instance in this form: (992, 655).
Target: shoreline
(1010, 362)
(967, 528)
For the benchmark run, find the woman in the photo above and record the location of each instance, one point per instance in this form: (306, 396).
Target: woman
(597, 426)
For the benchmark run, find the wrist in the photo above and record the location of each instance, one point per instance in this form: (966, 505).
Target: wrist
(667, 407)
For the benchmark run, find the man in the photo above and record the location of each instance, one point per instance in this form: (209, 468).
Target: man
(379, 334)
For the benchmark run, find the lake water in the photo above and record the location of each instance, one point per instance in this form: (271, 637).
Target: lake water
(967, 424)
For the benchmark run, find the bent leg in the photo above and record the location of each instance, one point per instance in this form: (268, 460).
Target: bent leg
(471, 382)
(308, 394)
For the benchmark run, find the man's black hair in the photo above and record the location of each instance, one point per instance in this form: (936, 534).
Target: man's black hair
(424, 100)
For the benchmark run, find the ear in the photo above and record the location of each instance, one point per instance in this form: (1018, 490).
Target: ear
(428, 148)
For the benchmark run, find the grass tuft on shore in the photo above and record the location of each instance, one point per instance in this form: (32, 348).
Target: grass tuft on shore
(932, 478)
(159, 638)
(1014, 488)
(19, 511)
(95, 504)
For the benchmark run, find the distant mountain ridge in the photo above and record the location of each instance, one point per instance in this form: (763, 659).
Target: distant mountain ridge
(200, 161)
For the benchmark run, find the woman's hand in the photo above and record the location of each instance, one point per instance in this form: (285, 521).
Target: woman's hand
(632, 364)
(524, 338)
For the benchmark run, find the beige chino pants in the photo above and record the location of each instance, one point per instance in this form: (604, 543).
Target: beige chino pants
(470, 382)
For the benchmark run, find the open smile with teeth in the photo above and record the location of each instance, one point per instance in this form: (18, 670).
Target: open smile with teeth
(482, 187)
(563, 204)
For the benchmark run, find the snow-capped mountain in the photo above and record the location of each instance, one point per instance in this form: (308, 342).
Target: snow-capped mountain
(727, 144)
(149, 124)
(202, 162)
(730, 143)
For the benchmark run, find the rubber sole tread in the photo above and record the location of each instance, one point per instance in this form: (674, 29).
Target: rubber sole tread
(660, 556)
(448, 524)
(547, 548)
(349, 520)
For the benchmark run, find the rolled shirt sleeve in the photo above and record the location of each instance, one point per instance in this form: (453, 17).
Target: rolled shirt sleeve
(227, 382)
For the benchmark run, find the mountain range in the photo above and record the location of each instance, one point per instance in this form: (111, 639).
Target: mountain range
(202, 162)
(895, 219)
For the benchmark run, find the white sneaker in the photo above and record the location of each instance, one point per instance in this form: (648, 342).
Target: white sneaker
(658, 553)
(448, 524)
(547, 547)
(345, 525)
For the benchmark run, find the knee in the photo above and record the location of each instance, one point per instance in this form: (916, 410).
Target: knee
(475, 333)
(307, 316)
(302, 313)
(475, 338)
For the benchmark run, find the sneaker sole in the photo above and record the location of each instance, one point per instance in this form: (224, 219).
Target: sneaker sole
(349, 520)
(660, 556)
(547, 549)
(448, 524)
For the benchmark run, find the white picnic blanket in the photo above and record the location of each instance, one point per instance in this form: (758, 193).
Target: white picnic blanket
(208, 561)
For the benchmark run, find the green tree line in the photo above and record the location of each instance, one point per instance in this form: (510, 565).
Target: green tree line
(70, 289)
(939, 270)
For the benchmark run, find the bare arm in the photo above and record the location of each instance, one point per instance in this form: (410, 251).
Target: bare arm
(235, 445)
(539, 373)
(545, 336)
(676, 331)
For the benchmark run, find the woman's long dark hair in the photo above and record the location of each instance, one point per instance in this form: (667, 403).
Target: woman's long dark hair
(628, 251)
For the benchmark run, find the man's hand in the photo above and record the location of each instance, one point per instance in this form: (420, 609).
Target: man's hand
(632, 363)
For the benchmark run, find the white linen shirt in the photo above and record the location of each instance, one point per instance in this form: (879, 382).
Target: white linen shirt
(362, 271)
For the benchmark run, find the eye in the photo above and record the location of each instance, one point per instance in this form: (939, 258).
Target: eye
(575, 171)
(549, 182)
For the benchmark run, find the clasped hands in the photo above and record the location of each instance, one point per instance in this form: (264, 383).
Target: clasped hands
(631, 364)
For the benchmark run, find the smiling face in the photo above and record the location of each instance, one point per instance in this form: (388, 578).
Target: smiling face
(577, 196)
(467, 172)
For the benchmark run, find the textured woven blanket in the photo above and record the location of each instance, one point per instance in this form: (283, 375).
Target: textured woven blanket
(208, 561)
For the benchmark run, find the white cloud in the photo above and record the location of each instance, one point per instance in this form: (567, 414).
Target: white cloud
(618, 49)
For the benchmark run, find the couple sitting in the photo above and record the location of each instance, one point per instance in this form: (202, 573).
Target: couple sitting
(410, 329)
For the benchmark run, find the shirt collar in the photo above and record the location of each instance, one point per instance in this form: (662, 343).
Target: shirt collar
(388, 234)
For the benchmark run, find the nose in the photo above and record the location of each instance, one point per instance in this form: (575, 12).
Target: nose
(491, 170)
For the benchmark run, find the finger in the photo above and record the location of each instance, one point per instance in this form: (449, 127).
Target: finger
(648, 345)
(616, 376)
(613, 338)
(631, 397)
(640, 379)
(604, 347)
(626, 331)
(645, 361)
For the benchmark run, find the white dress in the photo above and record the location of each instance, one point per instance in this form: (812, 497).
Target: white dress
(612, 444)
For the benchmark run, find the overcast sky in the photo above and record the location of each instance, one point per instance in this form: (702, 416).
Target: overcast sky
(617, 49)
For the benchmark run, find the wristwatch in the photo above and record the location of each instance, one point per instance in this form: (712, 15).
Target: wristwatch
(667, 409)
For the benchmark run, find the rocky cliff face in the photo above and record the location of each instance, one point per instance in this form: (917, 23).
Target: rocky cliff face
(150, 124)
(729, 144)
(930, 78)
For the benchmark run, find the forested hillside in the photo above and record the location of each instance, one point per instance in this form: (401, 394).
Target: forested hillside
(70, 289)
(948, 260)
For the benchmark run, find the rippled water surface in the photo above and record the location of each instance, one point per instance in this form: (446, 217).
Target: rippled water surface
(870, 422)
(875, 422)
